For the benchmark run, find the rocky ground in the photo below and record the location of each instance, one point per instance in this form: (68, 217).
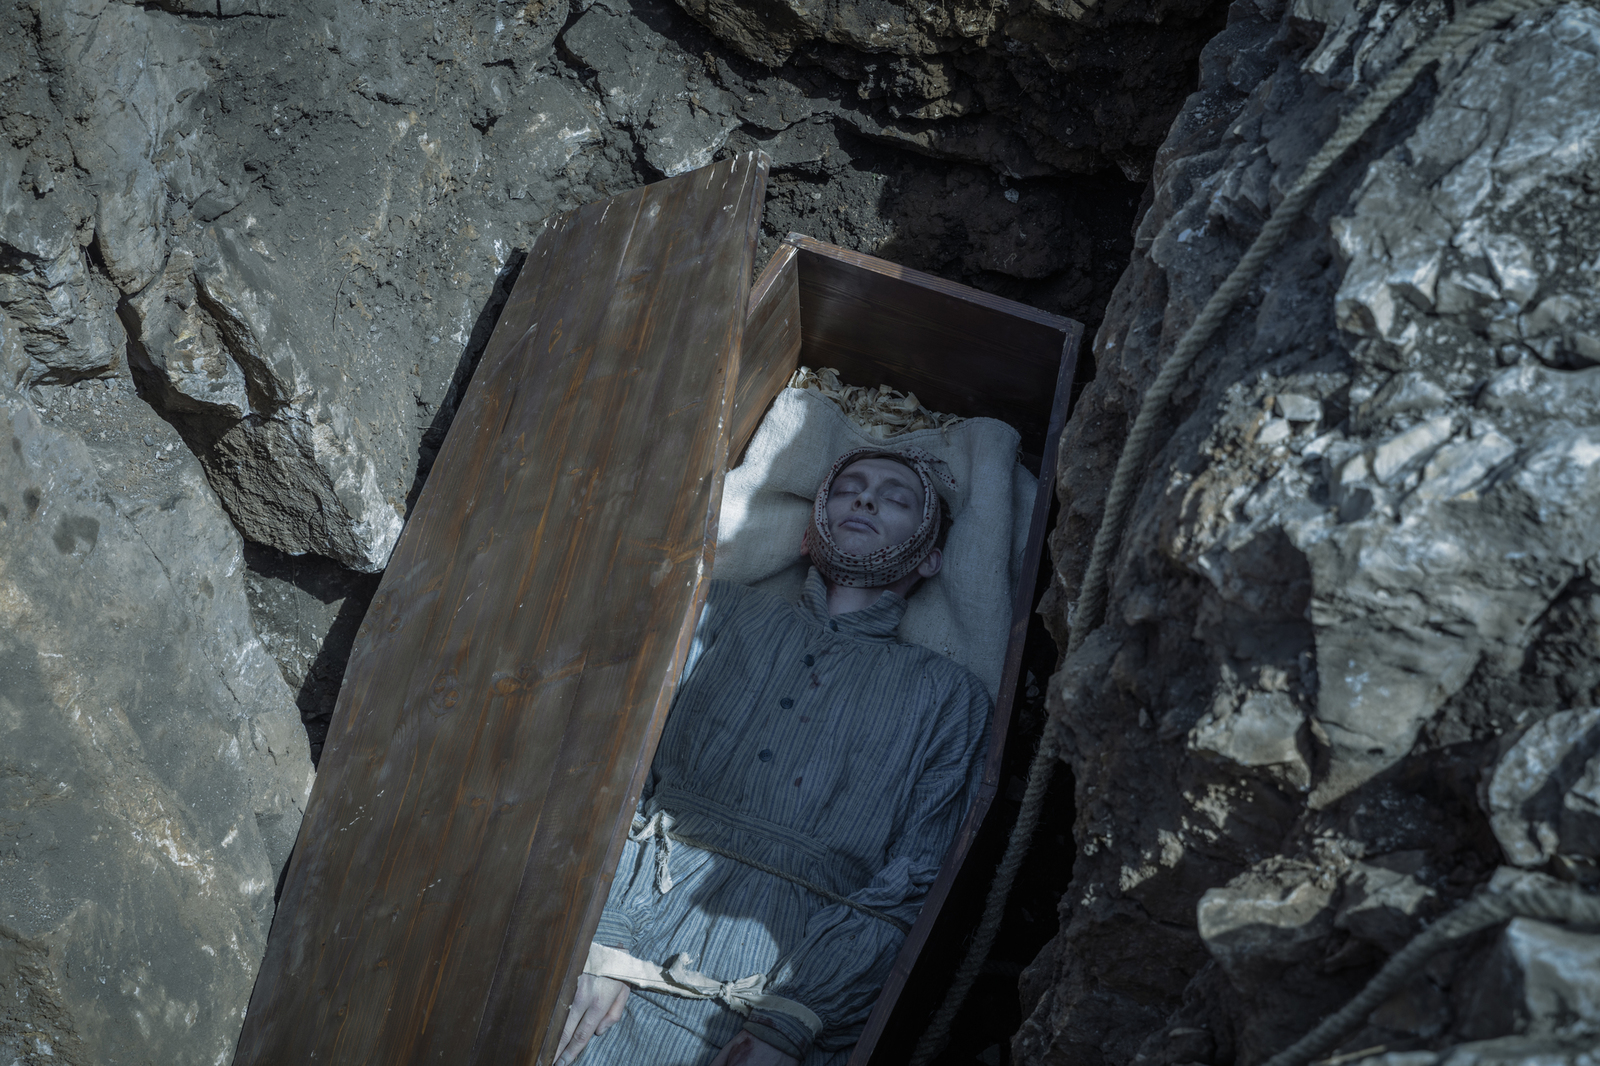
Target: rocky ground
(1351, 629)
(249, 254)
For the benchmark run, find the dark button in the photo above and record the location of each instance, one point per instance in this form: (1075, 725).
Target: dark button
(765, 755)
(810, 660)
(833, 626)
(786, 703)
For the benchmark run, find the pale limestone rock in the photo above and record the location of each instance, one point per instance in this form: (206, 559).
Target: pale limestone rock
(1419, 569)
(1385, 902)
(1256, 921)
(1266, 731)
(1543, 799)
(1539, 979)
(1298, 408)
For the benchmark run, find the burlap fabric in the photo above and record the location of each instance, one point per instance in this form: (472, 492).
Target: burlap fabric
(768, 503)
(889, 564)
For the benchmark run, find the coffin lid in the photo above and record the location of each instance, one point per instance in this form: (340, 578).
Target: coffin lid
(504, 695)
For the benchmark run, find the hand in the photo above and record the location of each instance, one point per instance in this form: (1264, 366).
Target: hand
(596, 1007)
(746, 1050)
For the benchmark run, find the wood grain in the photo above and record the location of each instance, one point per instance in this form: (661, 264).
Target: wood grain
(506, 689)
(960, 350)
(771, 349)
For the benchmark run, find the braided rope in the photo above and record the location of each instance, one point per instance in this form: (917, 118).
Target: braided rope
(1564, 903)
(1136, 450)
(1141, 440)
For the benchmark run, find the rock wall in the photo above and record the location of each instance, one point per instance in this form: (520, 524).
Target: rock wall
(152, 764)
(1345, 674)
(249, 253)
(305, 217)
(1029, 89)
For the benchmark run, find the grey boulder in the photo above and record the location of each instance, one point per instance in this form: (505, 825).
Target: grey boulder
(153, 768)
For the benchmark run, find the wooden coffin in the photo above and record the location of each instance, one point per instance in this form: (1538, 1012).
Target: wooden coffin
(505, 693)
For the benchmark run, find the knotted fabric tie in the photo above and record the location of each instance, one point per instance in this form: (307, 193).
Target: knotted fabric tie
(659, 827)
(678, 978)
(889, 564)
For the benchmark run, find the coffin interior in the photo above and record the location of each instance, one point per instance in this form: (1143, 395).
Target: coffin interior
(963, 352)
(505, 694)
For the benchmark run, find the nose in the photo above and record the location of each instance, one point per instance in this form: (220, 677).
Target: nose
(867, 502)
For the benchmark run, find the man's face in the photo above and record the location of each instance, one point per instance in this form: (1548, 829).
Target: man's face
(875, 503)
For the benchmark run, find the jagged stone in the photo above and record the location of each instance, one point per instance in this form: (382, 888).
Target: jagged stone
(1261, 922)
(1385, 901)
(1579, 822)
(152, 766)
(228, 349)
(1409, 561)
(1266, 731)
(677, 114)
(1527, 796)
(1538, 979)
(57, 318)
(945, 78)
(129, 117)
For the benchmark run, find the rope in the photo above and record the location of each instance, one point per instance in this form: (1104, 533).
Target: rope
(810, 886)
(1136, 450)
(1563, 903)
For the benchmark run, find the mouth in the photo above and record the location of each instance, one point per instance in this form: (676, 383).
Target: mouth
(859, 524)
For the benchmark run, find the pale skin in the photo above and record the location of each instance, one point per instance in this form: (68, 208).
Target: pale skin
(874, 503)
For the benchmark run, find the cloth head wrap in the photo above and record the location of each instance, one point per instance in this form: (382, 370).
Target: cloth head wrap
(893, 562)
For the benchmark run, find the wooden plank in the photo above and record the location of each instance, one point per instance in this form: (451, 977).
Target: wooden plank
(960, 350)
(771, 350)
(507, 687)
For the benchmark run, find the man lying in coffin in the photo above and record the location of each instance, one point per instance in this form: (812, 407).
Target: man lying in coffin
(811, 776)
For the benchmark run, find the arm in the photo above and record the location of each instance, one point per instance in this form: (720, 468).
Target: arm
(598, 1003)
(840, 964)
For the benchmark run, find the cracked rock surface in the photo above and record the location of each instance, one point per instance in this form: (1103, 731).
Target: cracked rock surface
(153, 767)
(306, 217)
(1349, 660)
(249, 253)
(250, 250)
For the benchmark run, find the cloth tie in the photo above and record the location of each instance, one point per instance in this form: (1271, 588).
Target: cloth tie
(659, 827)
(679, 978)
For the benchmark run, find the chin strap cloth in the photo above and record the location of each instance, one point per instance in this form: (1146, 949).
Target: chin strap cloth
(886, 565)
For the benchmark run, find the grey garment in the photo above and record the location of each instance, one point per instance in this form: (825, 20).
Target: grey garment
(821, 746)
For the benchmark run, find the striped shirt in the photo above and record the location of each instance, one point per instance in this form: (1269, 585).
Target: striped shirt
(819, 745)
